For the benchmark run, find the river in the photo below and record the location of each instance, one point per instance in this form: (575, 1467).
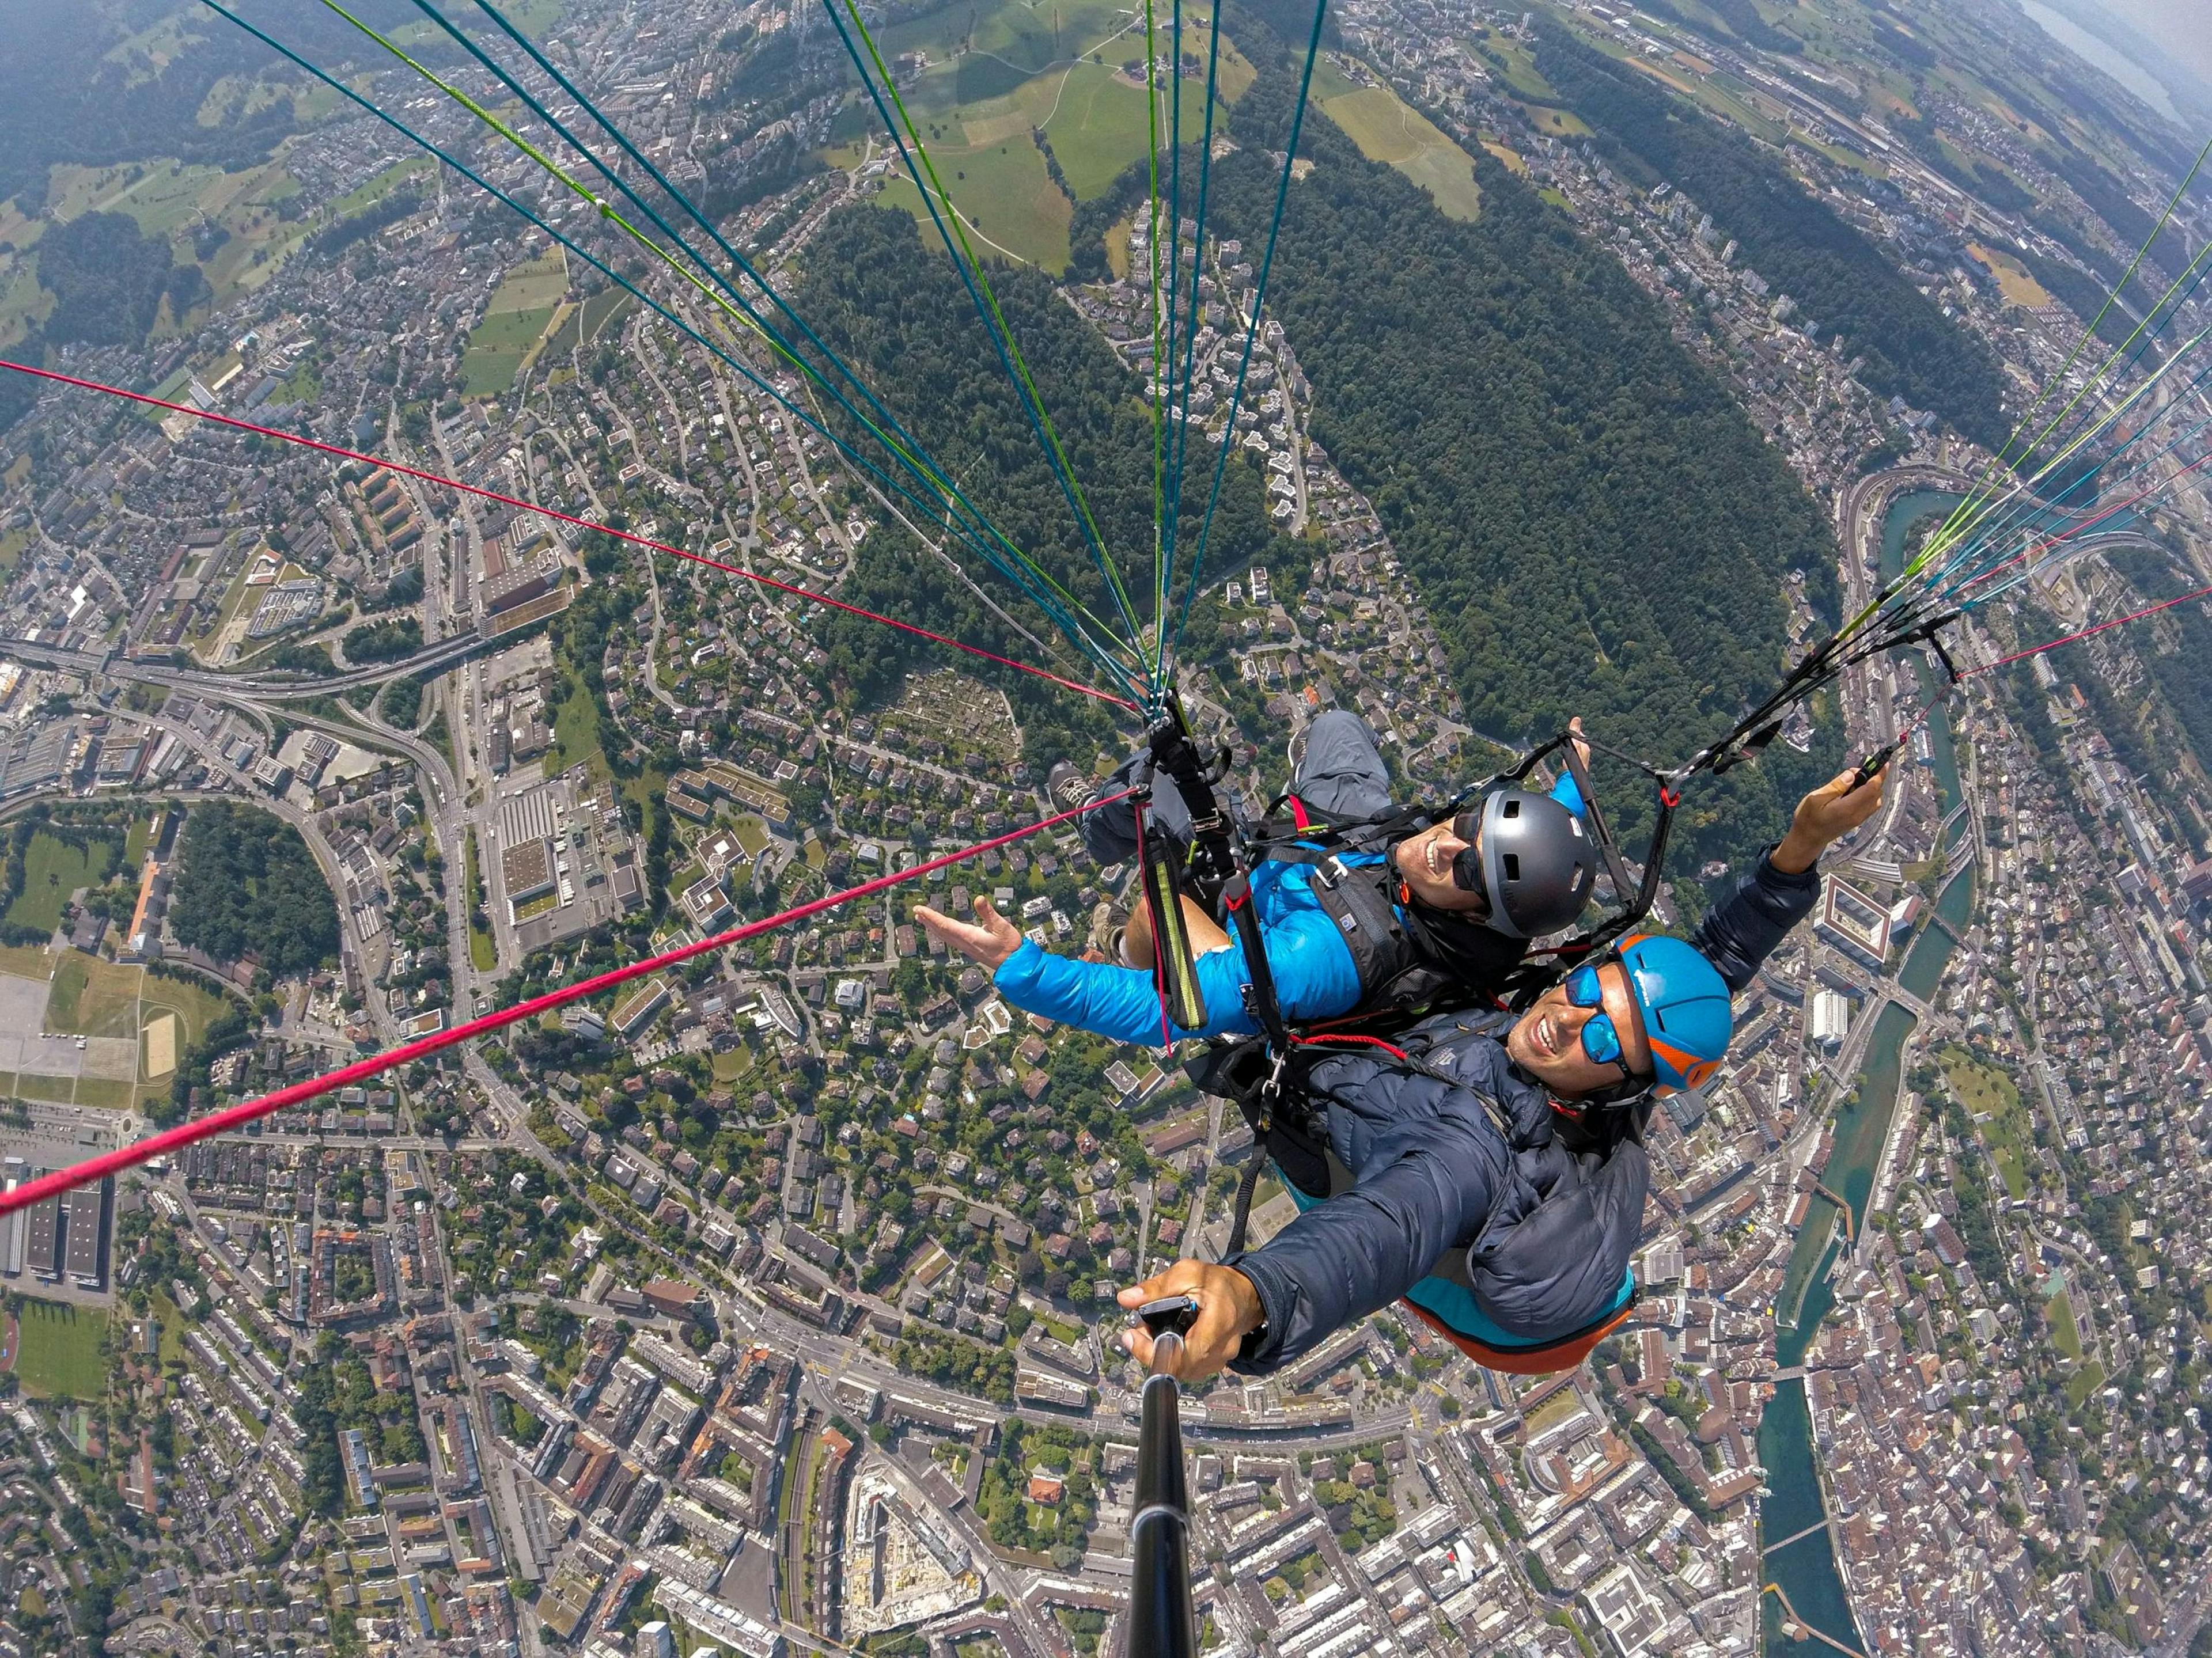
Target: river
(1806, 1570)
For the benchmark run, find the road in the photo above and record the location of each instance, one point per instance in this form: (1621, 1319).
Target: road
(432, 660)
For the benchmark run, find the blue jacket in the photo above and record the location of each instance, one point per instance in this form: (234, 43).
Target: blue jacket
(1314, 974)
(1543, 1232)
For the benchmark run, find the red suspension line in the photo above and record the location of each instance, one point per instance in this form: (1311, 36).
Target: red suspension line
(2115, 622)
(567, 518)
(235, 1116)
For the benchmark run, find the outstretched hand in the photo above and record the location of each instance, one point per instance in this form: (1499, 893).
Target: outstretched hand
(1228, 1311)
(987, 940)
(1835, 809)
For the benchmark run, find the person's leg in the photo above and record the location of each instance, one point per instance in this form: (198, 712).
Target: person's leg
(1137, 946)
(1110, 833)
(1342, 774)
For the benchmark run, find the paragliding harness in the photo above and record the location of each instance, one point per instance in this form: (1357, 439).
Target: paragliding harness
(1266, 1076)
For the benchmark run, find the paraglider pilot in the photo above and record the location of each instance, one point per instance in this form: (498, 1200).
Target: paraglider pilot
(1383, 922)
(1494, 1175)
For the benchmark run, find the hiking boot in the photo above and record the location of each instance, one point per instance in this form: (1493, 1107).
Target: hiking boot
(1107, 923)
(1067, 788)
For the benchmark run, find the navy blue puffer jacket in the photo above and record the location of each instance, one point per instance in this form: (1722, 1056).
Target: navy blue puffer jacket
(1461, 1157)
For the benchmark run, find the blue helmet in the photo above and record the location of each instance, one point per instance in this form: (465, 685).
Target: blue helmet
(1684, 1002)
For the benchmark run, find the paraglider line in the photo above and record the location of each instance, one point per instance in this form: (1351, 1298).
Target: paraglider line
(234, 1116)
(2087, 633)
(2044, 546)
(916, 154)
(1977, 498)
(1244, 362)
(569, 518)
(956, 524)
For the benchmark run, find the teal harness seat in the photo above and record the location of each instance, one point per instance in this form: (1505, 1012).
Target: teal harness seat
(1449, 1306)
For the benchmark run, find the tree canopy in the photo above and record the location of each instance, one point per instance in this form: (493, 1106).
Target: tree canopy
(247, 885)
(1595, 525)
(1794, 241)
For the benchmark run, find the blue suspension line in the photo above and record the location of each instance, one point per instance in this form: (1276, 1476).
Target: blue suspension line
(1179, 431)
(982, 311)
(928, 509)
(1252, 330)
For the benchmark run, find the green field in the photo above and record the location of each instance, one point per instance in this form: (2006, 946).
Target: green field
(60, 1351)
(749, 833)
(575, 731)
(534, 286)
(996, 72)
(603, 313)
(1388, 129)
(1095, 118)
(2083, 1383)
(2065, 1333)
(1007, 200)
(516, 319)
(92, 997)
(1995, 1104)
(372, 191)
(597, 318)
(52, 870)
(1009, 41)
(483, 950)
(165, 194)
(1518, 65)
(22, 302)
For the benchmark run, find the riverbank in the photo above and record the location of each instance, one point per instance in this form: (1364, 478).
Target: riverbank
(1796, 1516)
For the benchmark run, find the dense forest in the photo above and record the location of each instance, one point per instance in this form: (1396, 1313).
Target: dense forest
(1795, 242)
(384, 641)
(137, 103)
(897, 312)
(108, 280)
(1595, 526)
(247, 885)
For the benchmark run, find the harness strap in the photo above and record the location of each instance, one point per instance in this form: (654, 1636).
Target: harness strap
(1248, 1182)
(1259, 1000)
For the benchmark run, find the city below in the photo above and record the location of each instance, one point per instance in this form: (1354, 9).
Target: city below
(764, 1304)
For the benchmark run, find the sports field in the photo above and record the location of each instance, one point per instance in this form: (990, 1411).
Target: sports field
(135, 1028)
(1388, 129)
(58, 1352)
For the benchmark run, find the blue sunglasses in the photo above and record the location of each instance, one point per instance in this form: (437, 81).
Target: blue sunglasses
(1600, 1041)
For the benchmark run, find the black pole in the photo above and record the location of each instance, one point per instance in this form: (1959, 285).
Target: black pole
(1161, 1621)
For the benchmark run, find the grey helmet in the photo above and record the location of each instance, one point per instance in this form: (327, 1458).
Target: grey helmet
(1531, 857)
